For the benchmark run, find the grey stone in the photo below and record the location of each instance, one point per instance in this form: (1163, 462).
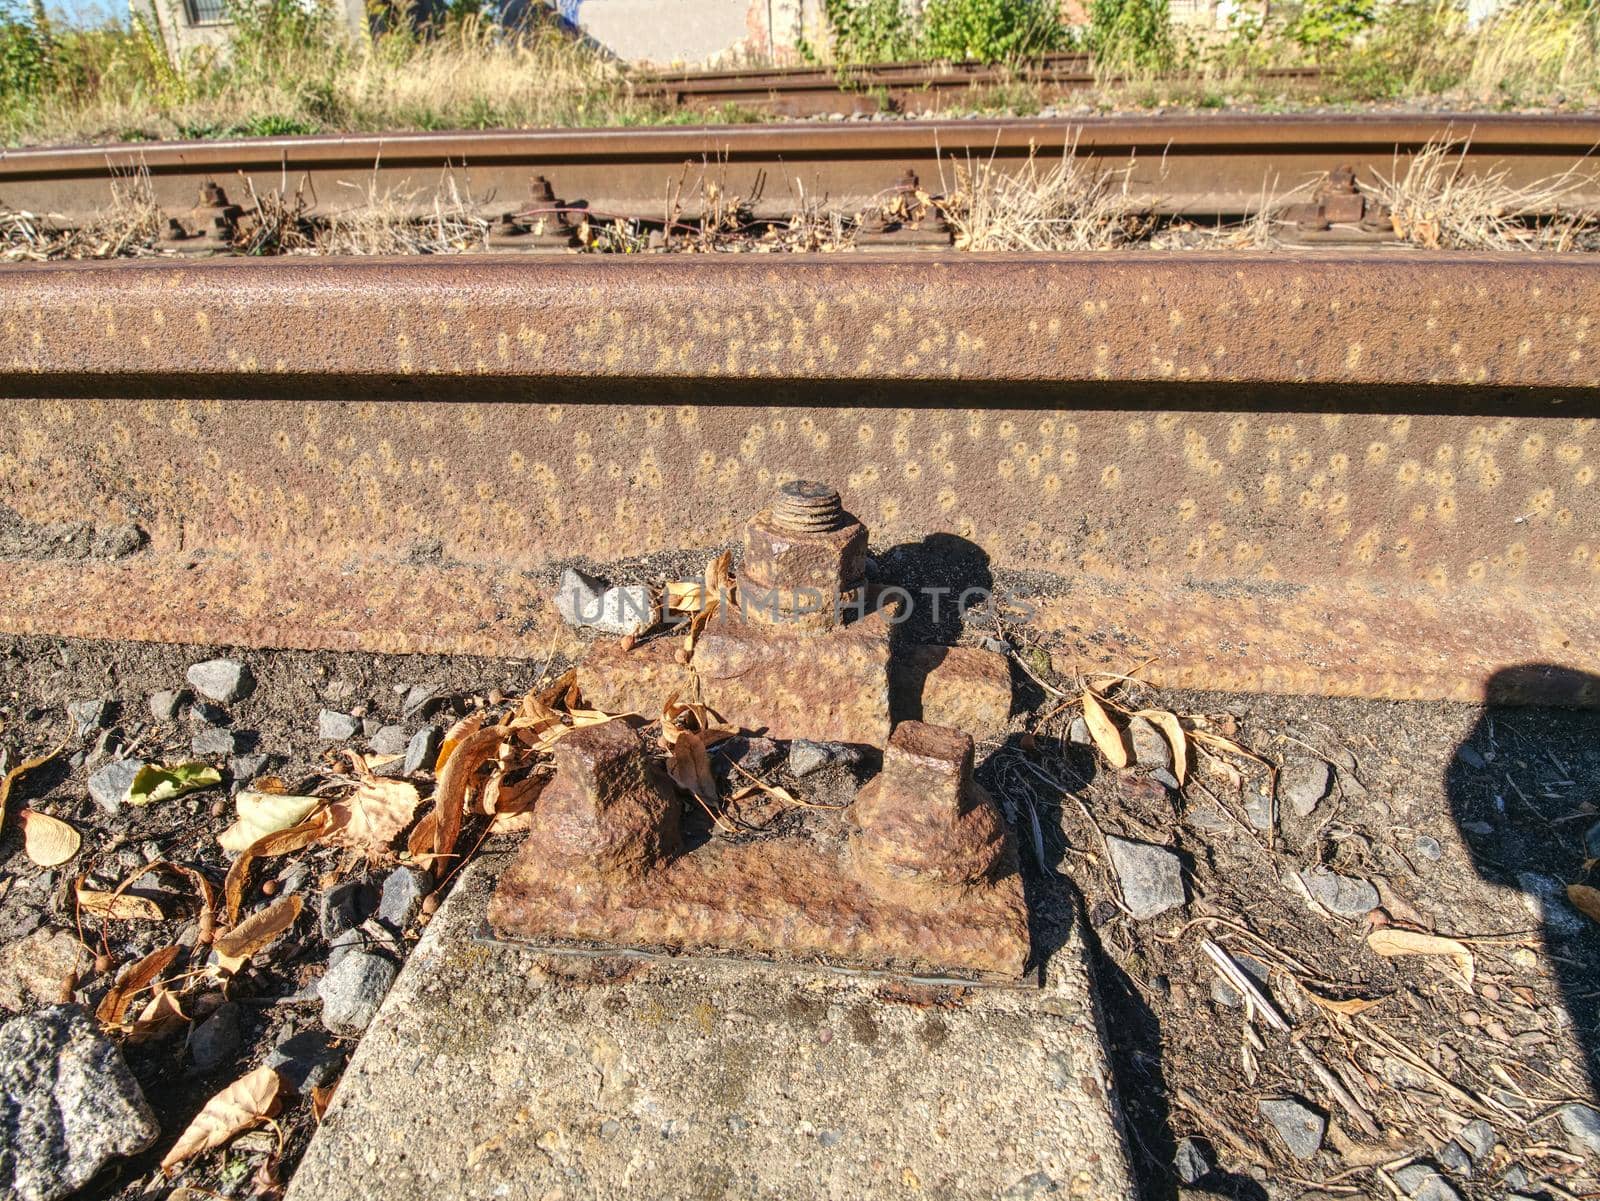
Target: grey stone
(35, 963)
(215, 741)
(583, 600)
(1582, 1124)
(1258, 810)
(807, 757)
(829, 1138)
(1078, 733)
(307, 1060)
(422, 750)
(245, 768)
(1546, 898)
(1478, 1137)
(753, 754)
(1515, 1177)
(68, 1104)
(221, 680)
(404, 890)
(370, 727)
(1453, 1157)
(390, 740)
(417, 699)
(342, 943)
(1151, 877)
(167, 704)
(1207, 816)
(352, 989)
(1470, 755)
(1151, 750)
(215, 1041)
(336, 727)
(1591, 842)
(345, 905)
(1344, 895)
(109, 786)
(1427, 847)
(116, 540)
(1303, 784)
(204, 713)
(1225, 994)
(1165, 778)
(1426, 1183)
(1299, 1126)
(1192, 1161)
(89, 715)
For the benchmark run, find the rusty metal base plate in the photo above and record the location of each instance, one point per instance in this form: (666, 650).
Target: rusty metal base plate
(776, 900)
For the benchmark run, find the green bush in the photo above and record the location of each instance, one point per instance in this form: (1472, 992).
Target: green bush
(23, 59)
(870, 31)
(1131, 33)
(991, 31)
(1328, 27)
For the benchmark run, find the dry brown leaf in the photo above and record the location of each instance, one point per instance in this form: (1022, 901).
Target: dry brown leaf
(450, 797)
(321, 1098)
(119, 907)
(279, 842)
(49, 841)
(456, 735)
(257, 932)
(1392, 940)
(161, 1017)
(261, 813)
(1105, 734)
(1585, 900)
(16, 773)
(243, 1104)
(1169, 725)
(113, 1006)
(1349, 1006)
(371, 816)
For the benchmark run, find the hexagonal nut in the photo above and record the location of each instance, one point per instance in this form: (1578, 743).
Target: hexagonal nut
(801, 571)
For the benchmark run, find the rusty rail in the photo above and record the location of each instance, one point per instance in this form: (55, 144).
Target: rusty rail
(900, 87)
(1204, 166)
(1303, 472)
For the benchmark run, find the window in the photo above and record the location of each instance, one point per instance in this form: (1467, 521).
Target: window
(206, 12)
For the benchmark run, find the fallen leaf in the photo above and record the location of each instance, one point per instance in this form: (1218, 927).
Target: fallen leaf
(1585, 900)
(262, 813)
(371, 816)
(246, 1102)
(455, 736)
(1392, 940)
(16, 773)
(1105, 734)
(451, 794)
(257, 932)
(161, 1017)
(113, 1006)
(321, 1098)
(49, 841)
(1170, 726)
(1349, 1006)
(119, 906)
(280, 842)
(157, 783)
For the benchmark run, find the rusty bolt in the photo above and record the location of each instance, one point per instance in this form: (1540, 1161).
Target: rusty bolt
(805, 559)
(924, 817)
(212, 196)
(610, 810)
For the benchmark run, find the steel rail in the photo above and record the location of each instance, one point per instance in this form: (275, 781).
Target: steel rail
(1307, 472)
(1223, 164)
(909, 87)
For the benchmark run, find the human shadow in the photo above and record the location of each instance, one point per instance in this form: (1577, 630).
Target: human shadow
(1522, 791)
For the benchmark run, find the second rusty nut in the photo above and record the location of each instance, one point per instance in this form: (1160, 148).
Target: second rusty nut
(805, 559)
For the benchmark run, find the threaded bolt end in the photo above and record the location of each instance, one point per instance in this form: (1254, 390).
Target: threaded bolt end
(806, 506)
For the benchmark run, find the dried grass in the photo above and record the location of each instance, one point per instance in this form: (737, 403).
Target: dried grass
(1073, 204)
(386, 223)
(1437, 204)
(128, 227)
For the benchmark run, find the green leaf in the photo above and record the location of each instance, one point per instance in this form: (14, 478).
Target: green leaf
(157, 783)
